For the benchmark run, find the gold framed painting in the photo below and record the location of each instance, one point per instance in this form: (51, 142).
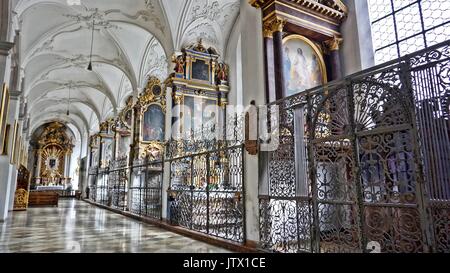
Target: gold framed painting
(4, 148)
(20, 161)
(22, 155)
(17, 151)
(303, 65)
(4, 108)
(23, 162)
(153, 123)
(15, 143)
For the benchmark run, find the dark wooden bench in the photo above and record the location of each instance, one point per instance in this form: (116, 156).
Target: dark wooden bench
(43, 198)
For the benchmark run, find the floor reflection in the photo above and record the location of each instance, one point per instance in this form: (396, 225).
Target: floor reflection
(76, 226)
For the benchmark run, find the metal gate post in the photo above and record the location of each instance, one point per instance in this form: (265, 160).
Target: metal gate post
(244, 210)
(357, 167)
(315, 230)
(191, 188)
(146, 186)
(161, 182)
(208, 177)
(421, 194)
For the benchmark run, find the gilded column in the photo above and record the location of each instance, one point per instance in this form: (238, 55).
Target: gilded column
(277, 26)
(39, 162)
(268, 63)
(178, 115)
(333, 46)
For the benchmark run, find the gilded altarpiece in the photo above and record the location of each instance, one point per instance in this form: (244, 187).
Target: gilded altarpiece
(55, 146)
(149, 122)
(106, 143)
(94, 145)
(122, 129)
(200, 90)
(22, 189)
(301, 49)
(206, 182)
(148, 149)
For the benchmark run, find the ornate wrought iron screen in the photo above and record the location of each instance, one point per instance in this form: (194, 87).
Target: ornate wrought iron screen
(146, 189)
(207, 192)
(102, 189)
(430, 81)
(118, 183)
(363, 164)
(92, 187)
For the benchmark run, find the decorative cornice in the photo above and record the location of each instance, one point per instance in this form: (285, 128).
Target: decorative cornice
(330, 8)
(256, 3)
(5, 47)
(333, 44)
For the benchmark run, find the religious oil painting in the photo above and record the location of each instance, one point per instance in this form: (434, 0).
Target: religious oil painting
(200, 70)
(4, 148)
(15, 141)
(153, 124)
(129, 118)
(4, 108)
(108, 150)
(303, 66)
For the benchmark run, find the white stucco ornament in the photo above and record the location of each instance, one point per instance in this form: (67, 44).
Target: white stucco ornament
(74, 2)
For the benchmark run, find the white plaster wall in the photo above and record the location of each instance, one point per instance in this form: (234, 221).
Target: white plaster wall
(234, 60)
(357, 49)
(253, 89)
(74, 160)
(166, 175)
(8, 173)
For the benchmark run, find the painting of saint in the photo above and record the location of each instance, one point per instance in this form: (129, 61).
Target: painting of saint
(109, 151)
(301, 67)
(200, 71)
(4, 105)
(94, 158)
(129, 118)
(153, 124)
(124, 146)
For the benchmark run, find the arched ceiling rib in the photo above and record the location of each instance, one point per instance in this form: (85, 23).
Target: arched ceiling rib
(86, 107)
(46, 118)
(133, 40)
(211, 20)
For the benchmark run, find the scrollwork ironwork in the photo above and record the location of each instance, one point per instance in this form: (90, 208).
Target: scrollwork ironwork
(368, 138)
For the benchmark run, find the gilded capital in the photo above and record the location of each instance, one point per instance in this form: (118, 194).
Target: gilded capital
(277, 24)
(267, 31)
(178, 99)
(334, 44)
(254, 3)
(223, 104)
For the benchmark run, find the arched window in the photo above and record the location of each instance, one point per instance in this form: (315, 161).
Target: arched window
(400, 27)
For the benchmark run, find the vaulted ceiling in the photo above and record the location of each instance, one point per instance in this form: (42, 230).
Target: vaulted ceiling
(133, 39)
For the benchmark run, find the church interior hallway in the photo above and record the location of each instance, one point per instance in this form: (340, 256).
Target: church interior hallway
(75, 226)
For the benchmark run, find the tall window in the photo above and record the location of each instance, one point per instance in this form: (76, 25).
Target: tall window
(400, 27)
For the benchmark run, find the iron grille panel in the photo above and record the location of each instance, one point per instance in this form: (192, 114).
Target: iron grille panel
(369, 163)
(207, 193)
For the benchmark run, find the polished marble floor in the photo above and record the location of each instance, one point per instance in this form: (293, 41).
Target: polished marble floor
(75, 226)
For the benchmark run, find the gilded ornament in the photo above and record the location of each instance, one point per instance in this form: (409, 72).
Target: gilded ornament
(333, 44)
(277, 24)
